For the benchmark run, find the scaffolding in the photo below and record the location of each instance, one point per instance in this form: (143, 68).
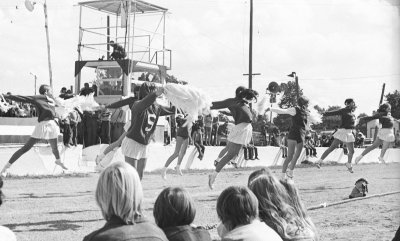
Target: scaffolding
(139, 28)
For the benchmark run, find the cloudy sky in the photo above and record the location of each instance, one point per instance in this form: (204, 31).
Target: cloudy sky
(339, 49)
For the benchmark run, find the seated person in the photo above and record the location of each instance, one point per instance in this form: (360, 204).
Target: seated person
(237, 208)
(86, 90)
(119, 195)
(118, 51)
(174, 213)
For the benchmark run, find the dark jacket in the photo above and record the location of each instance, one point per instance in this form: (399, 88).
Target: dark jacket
(116, 230)
(187, 233)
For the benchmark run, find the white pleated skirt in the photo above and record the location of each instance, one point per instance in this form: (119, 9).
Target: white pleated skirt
(386, 134)
(133, 149)
(46, 130)
(344, 135)
(241, 134)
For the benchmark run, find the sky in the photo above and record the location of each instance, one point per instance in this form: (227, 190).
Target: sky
(339, 49)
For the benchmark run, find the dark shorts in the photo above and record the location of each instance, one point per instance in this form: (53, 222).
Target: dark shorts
(297, 135)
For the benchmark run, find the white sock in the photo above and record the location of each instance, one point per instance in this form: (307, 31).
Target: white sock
(6, 166)
(218, 159)
(101, 155)
(178, 166)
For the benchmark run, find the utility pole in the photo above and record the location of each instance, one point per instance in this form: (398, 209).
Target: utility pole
(35, 77)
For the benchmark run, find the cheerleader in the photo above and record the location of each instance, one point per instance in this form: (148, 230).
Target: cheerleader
(385, 134)
(46, 129)
(116, 144)
(182, 142)
(242, 132)
(296, 135)
(344, 134)
(145, 114)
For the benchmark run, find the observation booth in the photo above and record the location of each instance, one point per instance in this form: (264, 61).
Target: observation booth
(135, 25)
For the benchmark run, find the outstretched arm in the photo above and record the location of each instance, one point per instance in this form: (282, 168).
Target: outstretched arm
(290, 111)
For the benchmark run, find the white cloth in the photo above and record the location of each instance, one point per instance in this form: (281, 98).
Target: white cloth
(46, 130)
(133, 149)
(6, 234)
(256, 231)
(289, 111)
(241, 134)
(386, 134)
(344, 135)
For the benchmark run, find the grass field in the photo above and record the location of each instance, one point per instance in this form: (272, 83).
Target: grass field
(64, 208)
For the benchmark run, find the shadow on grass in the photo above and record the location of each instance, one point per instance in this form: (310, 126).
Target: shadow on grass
(321, 189)
(55, 225)
(54, 195)
(70, 212)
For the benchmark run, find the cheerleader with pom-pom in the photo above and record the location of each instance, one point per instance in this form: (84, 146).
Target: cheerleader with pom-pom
(344, 134)
(241, 134)
(385, 135)
(46, 129)
(145, 114)
(296, 135)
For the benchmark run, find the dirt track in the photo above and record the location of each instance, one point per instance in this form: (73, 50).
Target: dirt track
(50, 208)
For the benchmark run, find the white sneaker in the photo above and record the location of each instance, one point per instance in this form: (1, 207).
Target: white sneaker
(99, 168)
(99, 158)
(283, 176)
(318, 164)
(164, 173)
(381, 160)
(358, 159)
(178, 170)
(58, 162)
(3, 172)
(211, 180)
(349, 167)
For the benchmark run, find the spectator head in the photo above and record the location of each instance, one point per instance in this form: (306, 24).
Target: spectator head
(119, 193)
(145, 89)
(1, 193)
(303, 102)
(274, 208)
(174, 207)
(385, 108)
(237, 206)
(45, 90)
(239, 90)
(86, 85)
(63, 90)
(69, 92)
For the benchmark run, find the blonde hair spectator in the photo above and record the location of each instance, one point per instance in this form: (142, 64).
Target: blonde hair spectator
(119, 192)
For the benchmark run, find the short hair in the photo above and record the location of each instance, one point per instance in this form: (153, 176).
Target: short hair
(1, 193)
(174, 207)
(119, 192)
(239, 90)
(248, 94)
(386, 108)
(302, 101)
(145, 89)
(43, 89)
(237, 205)
(348, 101)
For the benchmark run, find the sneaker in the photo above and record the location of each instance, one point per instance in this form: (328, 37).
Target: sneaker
(289, 176)
(381, 160)
(358, 159)
(3, 172)
(211, 180)
(58, 162)
(178, 171)
(164, 173)
(318, 164)
(99, 168)
(349, 167)
(215, 163)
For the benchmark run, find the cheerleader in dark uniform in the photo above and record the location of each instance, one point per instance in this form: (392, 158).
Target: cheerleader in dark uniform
(46, 129)
(182, 142)
(385, 134)
(344, 134)
(296, 135)
(241, 134)
(145, 114)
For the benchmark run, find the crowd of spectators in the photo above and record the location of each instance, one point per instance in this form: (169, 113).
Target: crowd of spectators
(18, 109)
(264, 208)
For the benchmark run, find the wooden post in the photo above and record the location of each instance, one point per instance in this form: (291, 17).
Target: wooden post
(48, 42)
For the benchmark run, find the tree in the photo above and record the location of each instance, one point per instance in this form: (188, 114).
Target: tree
(394, 100)
(288, 99)
(362, 126)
